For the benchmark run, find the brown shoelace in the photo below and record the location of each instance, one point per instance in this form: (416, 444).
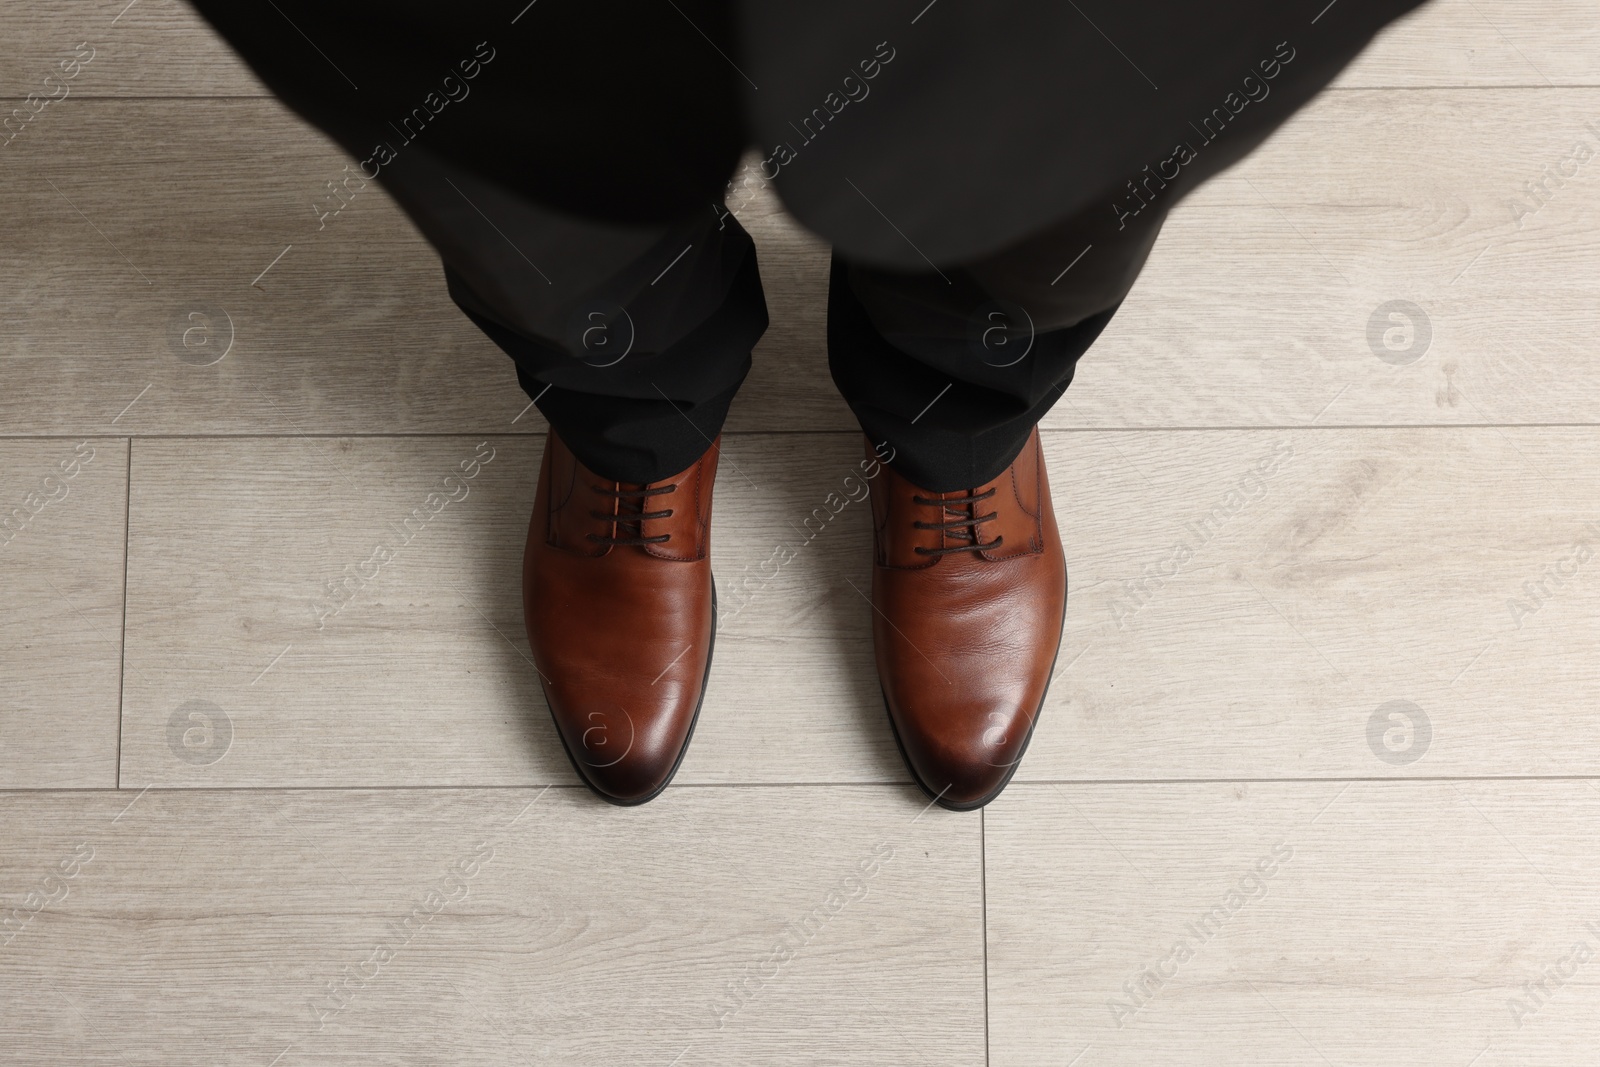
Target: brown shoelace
(960, 526)
(634, 521)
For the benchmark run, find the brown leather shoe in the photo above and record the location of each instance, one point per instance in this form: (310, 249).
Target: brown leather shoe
(970, 592)
(621, 613)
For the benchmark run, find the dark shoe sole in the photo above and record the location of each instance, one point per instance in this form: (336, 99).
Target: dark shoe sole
(633, 802)
(974, 805)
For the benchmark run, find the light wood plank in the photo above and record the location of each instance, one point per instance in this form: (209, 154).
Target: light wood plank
(207, 927)
(233, 547)
(1365, 566)
(1468, 42)
(141, 48)
(1255, 309)
(62, 530)
(1266, 327)
(162, 211)
(1245, 604)
(1398, 925)
(1262, 303)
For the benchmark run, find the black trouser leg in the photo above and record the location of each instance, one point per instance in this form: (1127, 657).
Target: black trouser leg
(955, 366)
(632, 335)
(631, 339)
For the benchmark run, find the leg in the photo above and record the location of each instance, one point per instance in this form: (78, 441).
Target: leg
(955, 367)
(560, 215)
(631, 339)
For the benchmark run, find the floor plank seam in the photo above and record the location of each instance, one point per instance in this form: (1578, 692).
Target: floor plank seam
(221, 98)
(983, 899)
(122, 649)
(453, 434)
(9, 791)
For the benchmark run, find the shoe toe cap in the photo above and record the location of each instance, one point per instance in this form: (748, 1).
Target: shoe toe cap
(627, 756)
(626, 735)
(964, 756)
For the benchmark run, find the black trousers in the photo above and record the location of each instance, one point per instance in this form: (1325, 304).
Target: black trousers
(632, 340)
(565, 160)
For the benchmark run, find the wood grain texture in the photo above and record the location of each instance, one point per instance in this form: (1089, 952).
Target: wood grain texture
(141, 48)
(62, 530)
(1263, 305)
(1220, 330)
(1398, 924)
(132, 218)
(1247, 604)
(491, 927)
(253, 589)
(1469, 42)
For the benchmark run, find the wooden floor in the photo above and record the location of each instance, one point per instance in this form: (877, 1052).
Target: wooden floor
(1317, 783)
